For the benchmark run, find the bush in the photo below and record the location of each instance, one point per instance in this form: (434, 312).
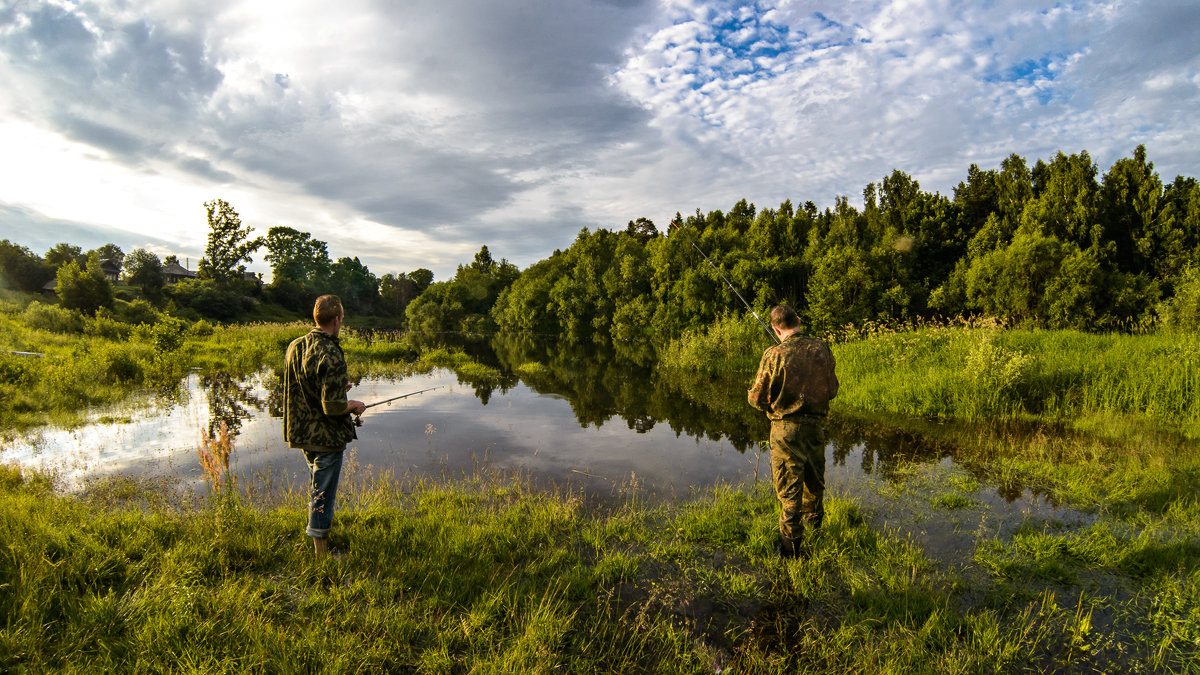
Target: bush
(1182, 310)
(138, 312)
(168, 334)
(52, 318)
(105, 326)
(14, 369)
(118, 366)
(201, 328)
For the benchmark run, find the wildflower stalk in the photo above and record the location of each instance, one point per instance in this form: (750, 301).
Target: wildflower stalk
(214, 455)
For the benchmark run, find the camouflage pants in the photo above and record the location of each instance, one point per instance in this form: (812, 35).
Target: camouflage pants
(798, 467)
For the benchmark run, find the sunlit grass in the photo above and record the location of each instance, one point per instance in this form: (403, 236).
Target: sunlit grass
(487, 574)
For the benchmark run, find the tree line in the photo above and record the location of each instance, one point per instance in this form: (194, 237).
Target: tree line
(1053, 245)
(220, 288)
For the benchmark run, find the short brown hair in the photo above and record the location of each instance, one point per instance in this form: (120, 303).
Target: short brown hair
(784, 317)
(326, 309)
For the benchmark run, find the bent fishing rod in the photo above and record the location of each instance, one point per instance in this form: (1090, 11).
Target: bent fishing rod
(358, 417)
(727, 283)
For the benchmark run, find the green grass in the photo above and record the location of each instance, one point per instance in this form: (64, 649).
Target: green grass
(485, 574)
(1114, 385)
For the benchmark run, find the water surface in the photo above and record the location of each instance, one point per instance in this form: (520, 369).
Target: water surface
(587, 419)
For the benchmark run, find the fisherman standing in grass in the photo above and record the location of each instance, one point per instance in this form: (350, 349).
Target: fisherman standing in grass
(316, 412)
(794, 384)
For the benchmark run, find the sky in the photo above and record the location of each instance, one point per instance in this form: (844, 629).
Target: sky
(409, 134)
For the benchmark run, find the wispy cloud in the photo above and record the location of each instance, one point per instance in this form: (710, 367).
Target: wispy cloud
(409, 134)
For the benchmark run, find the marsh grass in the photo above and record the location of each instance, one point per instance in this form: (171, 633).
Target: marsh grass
(1112, 385)
(484, 573)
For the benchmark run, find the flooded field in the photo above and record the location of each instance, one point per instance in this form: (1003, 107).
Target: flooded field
(559, 430)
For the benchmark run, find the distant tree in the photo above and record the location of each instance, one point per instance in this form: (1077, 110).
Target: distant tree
(63, 253)
(1130, 201)
(466, 301)
(228, 246)
(421, 279)
(145, 270)
(84, 289)
(354, 283)
(111, 252)
(171, 258)
(21, 268)
(642, 229)
(296, 255)
(395, 292)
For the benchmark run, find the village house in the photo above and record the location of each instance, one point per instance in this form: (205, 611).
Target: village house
(174, 273)
(111, 269)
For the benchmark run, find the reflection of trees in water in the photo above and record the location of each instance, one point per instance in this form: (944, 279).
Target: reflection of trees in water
(228, 400)
(602, 381)
(484, 387)
(274, 386)
(884, 449)
(888, 446)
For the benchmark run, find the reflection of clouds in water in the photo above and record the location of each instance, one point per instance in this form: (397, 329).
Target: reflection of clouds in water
(156, 434)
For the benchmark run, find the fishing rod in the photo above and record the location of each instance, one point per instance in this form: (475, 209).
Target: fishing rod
(358, 417)
(731, 286)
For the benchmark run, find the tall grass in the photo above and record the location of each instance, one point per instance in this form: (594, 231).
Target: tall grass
(979, 370)
(1066, 376)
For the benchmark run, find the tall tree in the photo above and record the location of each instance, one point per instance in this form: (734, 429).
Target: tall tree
(354, 283)
(642, 228)
(229, 244)
(111, 252)
(296, 255)
(145, 270)
(395, 292)
(421, 279)
(63, 253)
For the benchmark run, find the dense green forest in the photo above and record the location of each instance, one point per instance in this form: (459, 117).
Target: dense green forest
(1053, 245)
(1057, 245)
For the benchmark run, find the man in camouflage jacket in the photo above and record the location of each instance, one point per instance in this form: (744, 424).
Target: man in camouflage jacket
(794, 384)
(316, 412)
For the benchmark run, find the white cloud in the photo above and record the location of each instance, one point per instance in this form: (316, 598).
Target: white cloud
(409, 134)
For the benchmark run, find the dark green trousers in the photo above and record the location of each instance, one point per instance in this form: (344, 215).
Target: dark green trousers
(798, 467)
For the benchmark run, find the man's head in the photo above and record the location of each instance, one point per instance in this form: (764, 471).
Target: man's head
(328, 313)
(784, 320)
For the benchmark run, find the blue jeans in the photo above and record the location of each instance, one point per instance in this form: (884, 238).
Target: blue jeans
(324, 468)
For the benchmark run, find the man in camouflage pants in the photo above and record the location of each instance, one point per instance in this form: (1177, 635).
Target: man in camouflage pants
(316, 412)
(794, 384)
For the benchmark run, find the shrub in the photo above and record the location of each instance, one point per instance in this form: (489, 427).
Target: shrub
(53, 318)
(138, 312)
(201, 328)
(106, 326)
(168, 334)
(119, 366)
(14, 369)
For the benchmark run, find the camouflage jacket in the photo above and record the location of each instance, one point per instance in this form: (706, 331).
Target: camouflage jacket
(796, 377)
(314, 392)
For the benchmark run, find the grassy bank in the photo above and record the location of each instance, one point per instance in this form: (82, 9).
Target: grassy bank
(485, 575)
(56, 364)
(1102, 383)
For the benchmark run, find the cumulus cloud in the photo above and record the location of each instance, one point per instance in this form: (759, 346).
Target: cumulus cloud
(414, 132)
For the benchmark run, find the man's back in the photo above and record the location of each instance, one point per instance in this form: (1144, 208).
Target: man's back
(795, 377)
(314, 392)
